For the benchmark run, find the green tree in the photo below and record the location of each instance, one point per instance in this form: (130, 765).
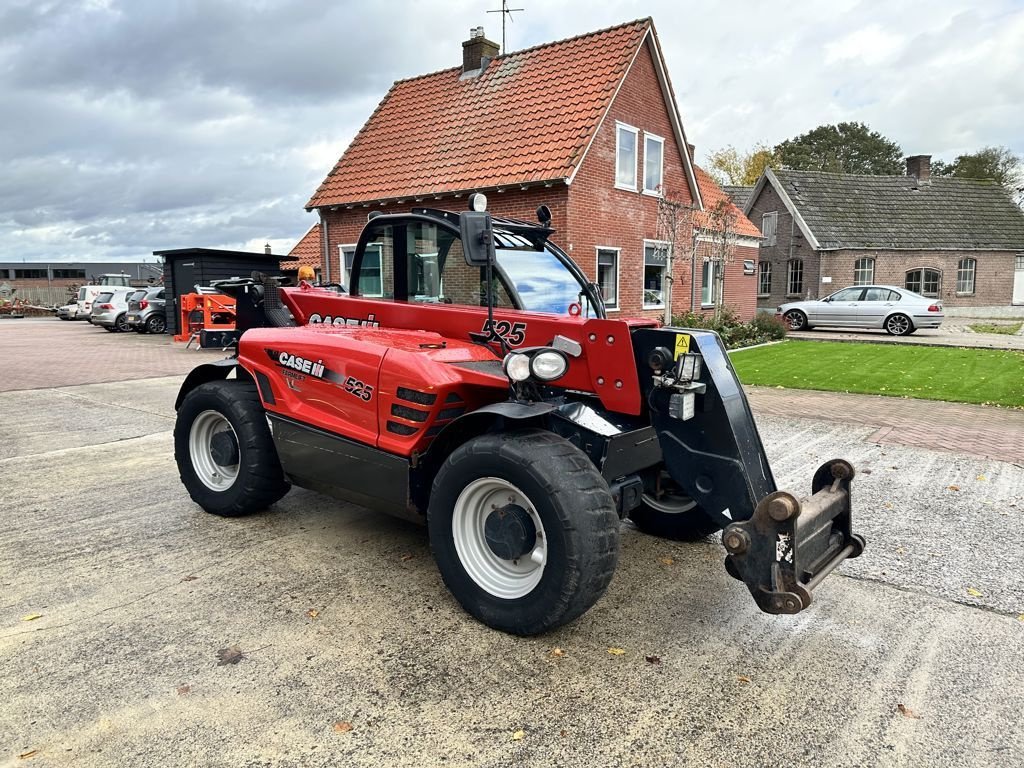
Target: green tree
(996, 163)
(842, 148)
(729, 166)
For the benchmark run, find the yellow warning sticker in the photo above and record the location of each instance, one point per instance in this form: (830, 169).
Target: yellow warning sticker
(682, 345)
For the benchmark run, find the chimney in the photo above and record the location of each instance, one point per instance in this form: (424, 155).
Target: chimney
(266, 248)
(477, 51)
(920, 168)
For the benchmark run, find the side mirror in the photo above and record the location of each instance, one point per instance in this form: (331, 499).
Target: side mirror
(477, 239)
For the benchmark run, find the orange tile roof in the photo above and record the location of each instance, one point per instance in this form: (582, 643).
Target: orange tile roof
(528, 117)
(307, 249)
(713, 195)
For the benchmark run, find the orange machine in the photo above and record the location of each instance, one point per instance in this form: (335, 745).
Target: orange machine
(205, 312)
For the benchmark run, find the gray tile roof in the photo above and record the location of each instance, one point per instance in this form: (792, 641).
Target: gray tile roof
(850, 211)
(739, 195)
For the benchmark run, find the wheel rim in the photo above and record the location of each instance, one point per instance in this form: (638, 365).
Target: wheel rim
(156, 325)
(672, 501)
(898, 325)
(796, 321)
(504, 578)
(215, 476)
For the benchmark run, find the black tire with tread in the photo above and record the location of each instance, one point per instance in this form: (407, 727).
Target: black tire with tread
(796, 320)
(575, 507)
(121, 323)
(260, 480)
(692, 525)
(156, 324)
(909, 325)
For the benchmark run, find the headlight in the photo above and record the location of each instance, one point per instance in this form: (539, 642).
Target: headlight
(548, 365)
(517, 366)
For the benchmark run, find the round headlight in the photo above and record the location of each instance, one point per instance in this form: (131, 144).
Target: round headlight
(517, 366)
(548, 365)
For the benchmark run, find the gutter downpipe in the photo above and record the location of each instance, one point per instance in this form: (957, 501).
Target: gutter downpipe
(325, 247)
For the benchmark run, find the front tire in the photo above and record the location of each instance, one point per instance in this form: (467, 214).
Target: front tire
(523, 529)
(898, 325)
(224, 450)
(796, 320)
(667, 512)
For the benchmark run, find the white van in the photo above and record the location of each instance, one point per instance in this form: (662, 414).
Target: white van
(87, 293)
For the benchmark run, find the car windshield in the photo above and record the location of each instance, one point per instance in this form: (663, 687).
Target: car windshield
(542, 281)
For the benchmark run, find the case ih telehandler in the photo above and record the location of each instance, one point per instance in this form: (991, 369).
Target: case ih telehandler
(472, 380)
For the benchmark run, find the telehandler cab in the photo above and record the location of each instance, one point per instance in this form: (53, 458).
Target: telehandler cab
(471, 379)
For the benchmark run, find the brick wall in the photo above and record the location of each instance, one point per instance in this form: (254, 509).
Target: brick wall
(600, 215)
(789, 244)
(993, 273)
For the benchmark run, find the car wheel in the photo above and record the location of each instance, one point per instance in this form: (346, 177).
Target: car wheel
(796, 320)
(224, 451)
(669, 513)
(523, 529)
(898, 325)
(108, 328)
(121, 323)
(156, 324)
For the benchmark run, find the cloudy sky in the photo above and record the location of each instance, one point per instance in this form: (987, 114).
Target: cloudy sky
(128, 126)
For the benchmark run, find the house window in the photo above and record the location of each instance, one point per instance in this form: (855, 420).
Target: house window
(371, 283)
(795, 277)
(1018, 262)
(69, 274)
(708, 284)
(347, 252)
(769, 226)
(764, 278)
(924, 281)
(655, 262)
(625, 156)
(863, 271)
(29, 274)
(654, 157)
(965, 276)
(608, 276)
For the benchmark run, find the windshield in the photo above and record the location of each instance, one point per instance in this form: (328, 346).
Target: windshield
(543, 282)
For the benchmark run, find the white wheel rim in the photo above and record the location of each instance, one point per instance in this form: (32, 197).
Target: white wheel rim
(507, 579)
(216, 477)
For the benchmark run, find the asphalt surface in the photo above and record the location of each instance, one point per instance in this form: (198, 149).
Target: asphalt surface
(353, 652)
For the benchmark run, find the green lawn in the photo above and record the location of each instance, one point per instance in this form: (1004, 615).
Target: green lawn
(988, 376)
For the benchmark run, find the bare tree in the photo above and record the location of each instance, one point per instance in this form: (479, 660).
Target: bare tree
(675, 228)
(718, 231)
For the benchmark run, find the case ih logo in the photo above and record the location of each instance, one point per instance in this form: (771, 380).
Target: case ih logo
(305, 367)
(370, 322)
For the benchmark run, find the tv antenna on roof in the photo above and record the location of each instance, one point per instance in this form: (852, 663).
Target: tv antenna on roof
(505, 11)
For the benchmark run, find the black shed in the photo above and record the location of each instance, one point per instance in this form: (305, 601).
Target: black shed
(185, 268)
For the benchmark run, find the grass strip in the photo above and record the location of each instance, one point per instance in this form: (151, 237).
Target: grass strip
(986, 376)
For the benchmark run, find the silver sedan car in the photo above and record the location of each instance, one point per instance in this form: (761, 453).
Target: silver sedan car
(897, 310)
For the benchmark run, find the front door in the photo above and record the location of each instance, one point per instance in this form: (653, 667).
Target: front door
(1018, 279)
(840, 309)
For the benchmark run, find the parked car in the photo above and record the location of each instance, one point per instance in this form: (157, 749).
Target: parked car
(110, 309)
(68, 311)
(899, 311)
(146, 310)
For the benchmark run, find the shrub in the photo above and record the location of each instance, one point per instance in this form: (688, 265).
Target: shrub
(735, 333)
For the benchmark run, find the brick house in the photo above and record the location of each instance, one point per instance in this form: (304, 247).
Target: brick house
(586, 126)
(960, 240)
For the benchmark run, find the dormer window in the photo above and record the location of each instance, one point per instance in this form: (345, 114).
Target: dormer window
(625, 156)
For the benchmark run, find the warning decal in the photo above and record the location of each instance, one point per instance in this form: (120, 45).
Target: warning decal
(682, 345)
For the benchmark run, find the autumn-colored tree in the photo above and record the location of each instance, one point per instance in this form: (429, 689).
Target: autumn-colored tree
(730, 166)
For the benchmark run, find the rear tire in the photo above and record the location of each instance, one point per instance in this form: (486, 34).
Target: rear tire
(156, 324)
(543, 557)
(898, 325)
(796, 320)
(224, 450)
(121, 323)
(672, 514)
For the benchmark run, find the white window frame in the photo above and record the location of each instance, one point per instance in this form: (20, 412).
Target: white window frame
(858, 267)
(708, 298)
(618, 273)
(966, 265)
(619, 127)
(643, 274)
(346, 277)
(656, 190)
(772, 216)
(761, 274)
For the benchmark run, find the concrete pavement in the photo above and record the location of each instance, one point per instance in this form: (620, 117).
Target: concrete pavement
(355, 654)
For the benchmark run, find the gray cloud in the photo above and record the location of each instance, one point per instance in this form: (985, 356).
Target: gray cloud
(131, 126)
